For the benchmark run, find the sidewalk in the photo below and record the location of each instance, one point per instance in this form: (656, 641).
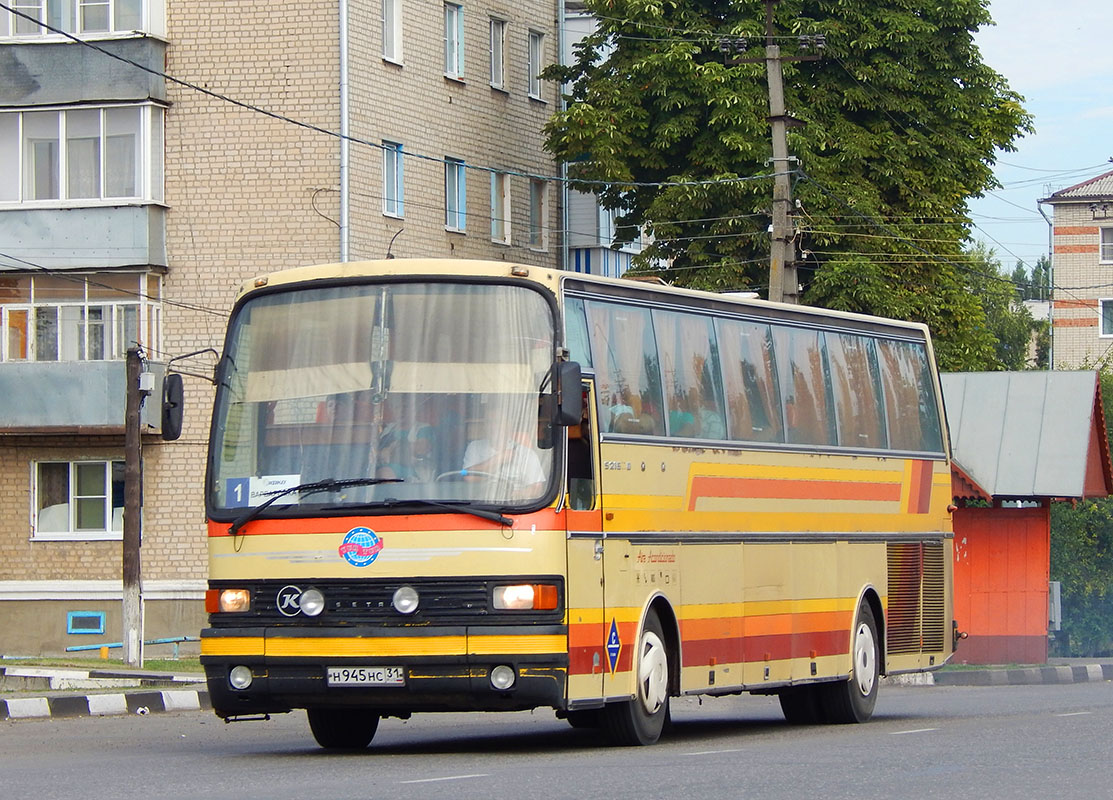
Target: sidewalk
(38, 692)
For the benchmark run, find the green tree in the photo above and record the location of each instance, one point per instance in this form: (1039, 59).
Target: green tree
(902, 120)
(1007, 320)
(1082, 561)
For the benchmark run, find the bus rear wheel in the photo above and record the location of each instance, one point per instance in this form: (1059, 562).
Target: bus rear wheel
(342, 728)
(852, 700)
(639, 721)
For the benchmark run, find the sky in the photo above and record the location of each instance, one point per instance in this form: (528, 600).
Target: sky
(1059, 57)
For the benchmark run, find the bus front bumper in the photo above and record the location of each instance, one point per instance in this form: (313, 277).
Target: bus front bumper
(438, 670)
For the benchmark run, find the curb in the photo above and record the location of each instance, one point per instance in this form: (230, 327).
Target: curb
(100, 705)
(1025, 676)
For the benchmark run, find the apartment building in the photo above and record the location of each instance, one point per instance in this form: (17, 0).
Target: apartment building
(1082, 259)
(154, 154)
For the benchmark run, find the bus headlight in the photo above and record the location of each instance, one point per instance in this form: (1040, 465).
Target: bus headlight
(240, 677)
(526, 597)
(232, 601)
(311, 602)
(405, 600)
(502, 677)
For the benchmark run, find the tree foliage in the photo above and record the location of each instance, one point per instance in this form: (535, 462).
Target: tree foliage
(902, 120)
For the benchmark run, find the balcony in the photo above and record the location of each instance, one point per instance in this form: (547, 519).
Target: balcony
(72, 397)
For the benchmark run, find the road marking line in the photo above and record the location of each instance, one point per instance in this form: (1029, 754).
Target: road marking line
(1075, 714)
(917, 730)
(713, 752)
(448, 778)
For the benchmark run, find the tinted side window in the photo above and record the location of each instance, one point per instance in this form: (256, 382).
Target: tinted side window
(802, 376)
(575, 327)
(628, 375)
(749, 375)
(910, 404)
(690, 371)
(857, 391)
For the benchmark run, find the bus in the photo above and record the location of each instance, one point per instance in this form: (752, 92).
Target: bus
(444, 485)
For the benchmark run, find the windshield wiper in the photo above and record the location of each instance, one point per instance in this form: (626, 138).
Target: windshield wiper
(459, 508)
(327, 485)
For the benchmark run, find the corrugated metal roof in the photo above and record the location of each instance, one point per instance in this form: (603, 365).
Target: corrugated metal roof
(1022, 434)
(1097, 188)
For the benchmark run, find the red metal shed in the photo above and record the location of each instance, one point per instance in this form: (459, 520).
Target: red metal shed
(1019, 441)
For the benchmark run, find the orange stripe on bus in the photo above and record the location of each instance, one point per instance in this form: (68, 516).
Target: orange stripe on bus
(919, 498)
(770, 488)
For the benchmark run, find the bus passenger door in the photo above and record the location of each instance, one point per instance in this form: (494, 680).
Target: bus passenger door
(587, 654)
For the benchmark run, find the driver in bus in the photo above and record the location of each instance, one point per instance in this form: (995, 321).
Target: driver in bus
(500, 456)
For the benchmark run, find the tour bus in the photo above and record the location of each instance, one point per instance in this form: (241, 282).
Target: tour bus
(443, 485)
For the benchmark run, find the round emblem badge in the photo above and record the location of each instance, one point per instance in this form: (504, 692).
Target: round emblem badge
(360, 547)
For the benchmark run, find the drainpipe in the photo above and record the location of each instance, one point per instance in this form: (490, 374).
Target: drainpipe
(564, 218)
(344, 157)
(1050, 290)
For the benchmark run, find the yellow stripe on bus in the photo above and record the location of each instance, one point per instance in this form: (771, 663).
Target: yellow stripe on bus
(370, 647)
(232, 646)
(511, 645)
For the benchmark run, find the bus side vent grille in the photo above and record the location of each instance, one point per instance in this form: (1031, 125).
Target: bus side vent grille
(915, 620)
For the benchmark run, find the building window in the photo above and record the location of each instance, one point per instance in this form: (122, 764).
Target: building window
(537, 212)
(78, 317)
(79, 499)
(454, 41)
(498, 63)
(392, 30)
(1105, 309)
(455, 195)
(1106, 245)
(76, 155)
(78, 17)
(393, 192)
(500, 207)
(536, 56)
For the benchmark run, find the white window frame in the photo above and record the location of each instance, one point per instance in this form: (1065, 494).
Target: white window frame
(454, 41)
(535, 62)
(392, 31)
(147, 157)
(455, 195)
(394, 185)
(538, 211)
(1105, 245)
(72, 533)
(1105, 304)
(73, 321)
(68, 16)
(500, 208)
(498, 53)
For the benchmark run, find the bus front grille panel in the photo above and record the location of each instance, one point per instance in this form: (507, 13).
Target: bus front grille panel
(364, 602)
(915, 621)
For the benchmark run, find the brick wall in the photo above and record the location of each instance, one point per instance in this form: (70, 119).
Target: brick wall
(1084, 280)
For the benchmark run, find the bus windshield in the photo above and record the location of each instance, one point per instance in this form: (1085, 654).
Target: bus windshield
(406, 395)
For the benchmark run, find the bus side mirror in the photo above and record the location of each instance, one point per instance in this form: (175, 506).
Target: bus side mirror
(173, 397)
(569, 393)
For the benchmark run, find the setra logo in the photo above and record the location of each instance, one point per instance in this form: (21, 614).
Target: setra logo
(287, 601)
(360, 547)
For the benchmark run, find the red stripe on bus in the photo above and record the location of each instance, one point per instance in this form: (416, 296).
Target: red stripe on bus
(919, 498)
(770, 488)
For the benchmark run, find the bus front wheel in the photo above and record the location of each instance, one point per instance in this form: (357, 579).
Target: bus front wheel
(342, 728)
(639, 721)
(853, 700)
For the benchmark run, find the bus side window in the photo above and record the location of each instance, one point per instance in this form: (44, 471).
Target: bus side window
(581, 482)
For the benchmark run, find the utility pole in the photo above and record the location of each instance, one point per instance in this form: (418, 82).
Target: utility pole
(133, 509)
(784, 287)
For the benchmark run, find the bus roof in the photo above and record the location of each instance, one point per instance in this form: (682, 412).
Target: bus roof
(554, 279)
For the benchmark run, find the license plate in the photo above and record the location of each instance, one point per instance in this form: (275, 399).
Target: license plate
(365, 676)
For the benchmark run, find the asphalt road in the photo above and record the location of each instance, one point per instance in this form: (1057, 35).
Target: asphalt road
(924, 742)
